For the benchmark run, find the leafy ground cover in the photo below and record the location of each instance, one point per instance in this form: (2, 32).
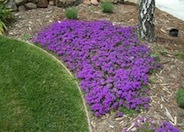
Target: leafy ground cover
(110, 62)
(36, 93)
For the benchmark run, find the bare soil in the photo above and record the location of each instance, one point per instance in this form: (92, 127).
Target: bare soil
(170, 50)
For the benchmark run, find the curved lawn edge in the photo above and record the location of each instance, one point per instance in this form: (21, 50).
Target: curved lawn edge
(68, 71)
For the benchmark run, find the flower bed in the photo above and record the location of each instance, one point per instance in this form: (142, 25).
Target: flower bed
(110, 62)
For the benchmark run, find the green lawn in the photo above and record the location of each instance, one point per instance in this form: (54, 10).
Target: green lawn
(36, 93)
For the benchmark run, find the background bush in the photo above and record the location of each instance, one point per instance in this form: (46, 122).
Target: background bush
(107, 7)
(71, 13)
(180, 98)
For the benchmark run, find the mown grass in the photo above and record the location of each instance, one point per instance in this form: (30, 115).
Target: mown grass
(36, 93)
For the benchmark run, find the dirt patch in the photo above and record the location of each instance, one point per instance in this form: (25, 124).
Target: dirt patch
(170, 50)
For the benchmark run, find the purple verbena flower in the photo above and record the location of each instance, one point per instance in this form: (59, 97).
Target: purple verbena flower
(109, 61)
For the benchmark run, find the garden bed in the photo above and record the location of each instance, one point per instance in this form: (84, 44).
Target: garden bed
(164, 83)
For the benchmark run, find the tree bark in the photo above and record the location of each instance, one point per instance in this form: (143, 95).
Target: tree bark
(146, 20)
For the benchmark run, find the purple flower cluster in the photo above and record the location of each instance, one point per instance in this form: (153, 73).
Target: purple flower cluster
(109, 61)
(145, 125)
(167, 127)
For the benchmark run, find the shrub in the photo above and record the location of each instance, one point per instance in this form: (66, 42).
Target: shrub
(107, 7)
(180, 98)
(71, 13)
(5, 14)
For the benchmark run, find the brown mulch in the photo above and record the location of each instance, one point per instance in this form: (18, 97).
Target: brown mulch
(165, 83)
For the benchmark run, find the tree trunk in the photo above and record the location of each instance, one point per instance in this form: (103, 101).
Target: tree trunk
(146, 19)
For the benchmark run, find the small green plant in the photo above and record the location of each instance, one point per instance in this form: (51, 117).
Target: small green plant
(178, 54)
(122, 1)
(160, 50)
(107, 7)
(26, 37)
(126, 111)
(180, 98)
(5, 14)
(71, 13)
(155, 55)
(151, 80)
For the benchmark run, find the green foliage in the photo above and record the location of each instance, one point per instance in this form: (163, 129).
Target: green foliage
(151, 81)
(107, 7)
(145, 128)
(5, 14)
(160, 50)
(155, 55)
(126, 111)
(179, 54)
(26, 37)
(122, 1)
(71, 13)
(36, 93)
(180, 98)
(145, 125)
